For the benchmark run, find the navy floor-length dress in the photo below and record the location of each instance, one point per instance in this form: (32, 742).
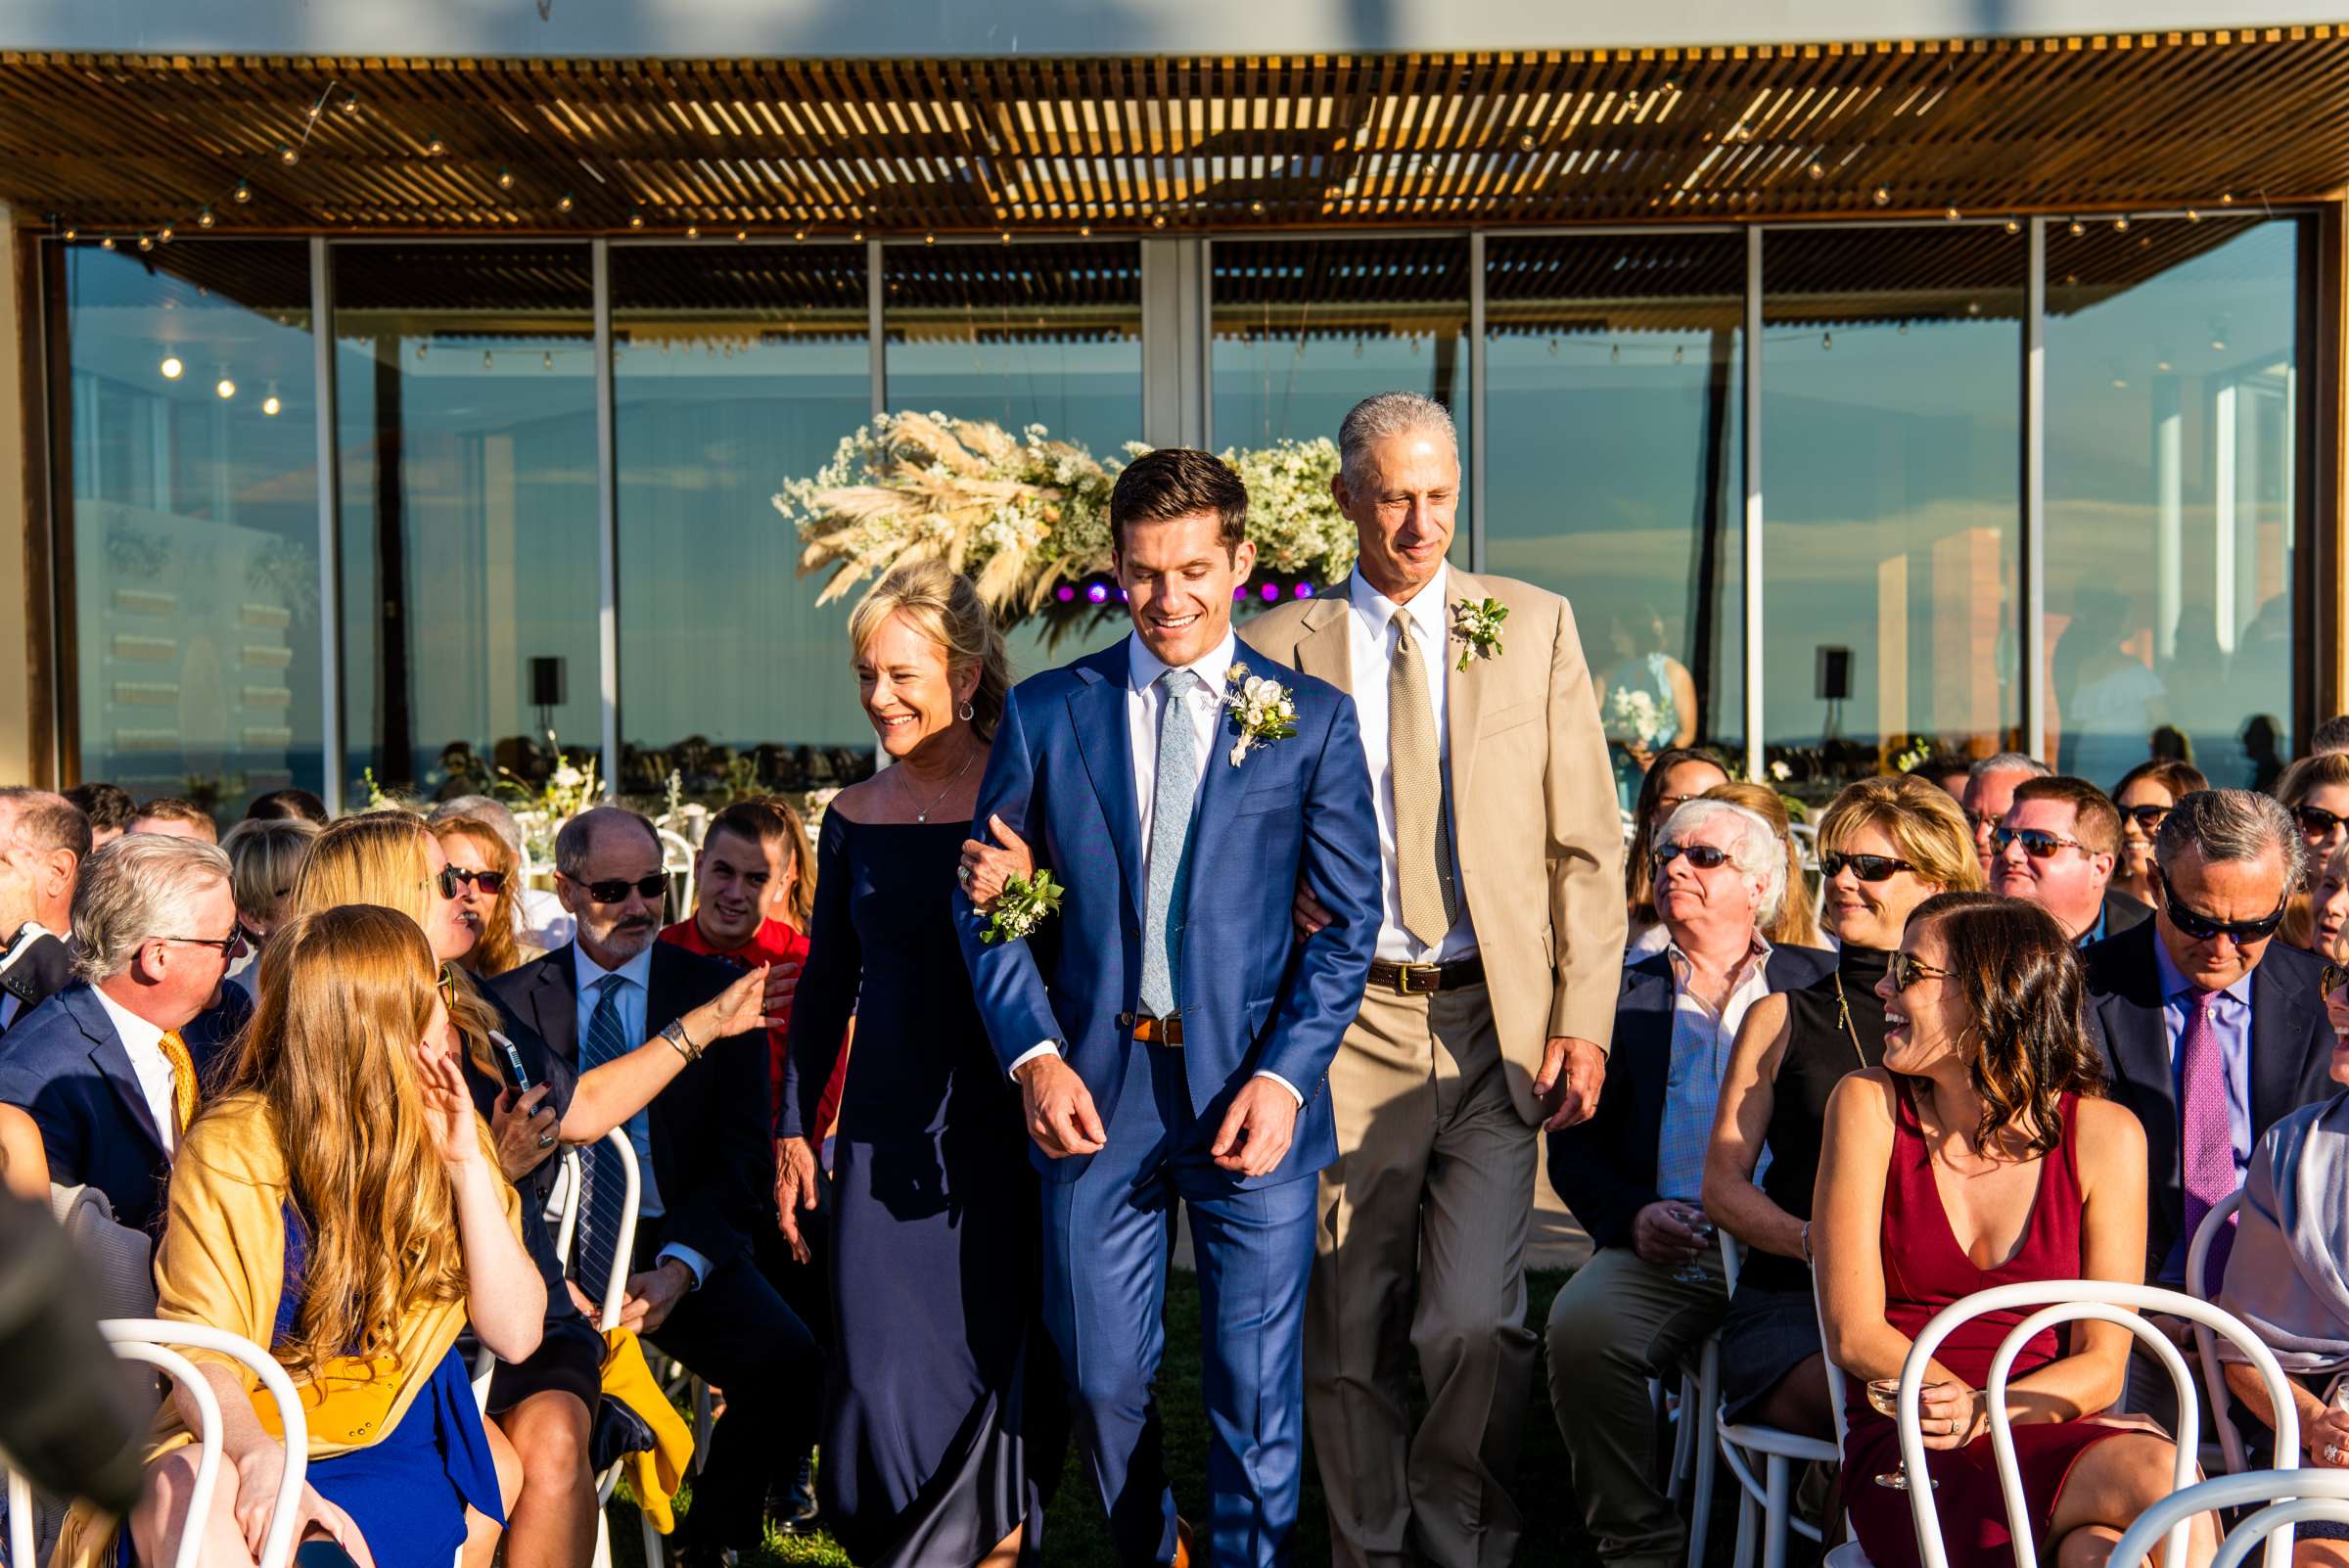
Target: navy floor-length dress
(934, 1446)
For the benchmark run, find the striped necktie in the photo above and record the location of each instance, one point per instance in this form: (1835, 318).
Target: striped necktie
(602, 1185)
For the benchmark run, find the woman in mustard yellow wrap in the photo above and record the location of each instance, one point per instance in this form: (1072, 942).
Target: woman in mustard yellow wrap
(340, 1202)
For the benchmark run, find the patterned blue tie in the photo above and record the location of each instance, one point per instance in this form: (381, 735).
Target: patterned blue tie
(603, 1185)
(1169, 845)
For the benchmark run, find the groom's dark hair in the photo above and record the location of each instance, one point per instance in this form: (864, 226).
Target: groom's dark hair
(1177, 482)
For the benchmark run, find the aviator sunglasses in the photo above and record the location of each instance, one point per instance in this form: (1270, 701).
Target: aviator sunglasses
(2036, 842)
(1866, 867)
(2204, 928)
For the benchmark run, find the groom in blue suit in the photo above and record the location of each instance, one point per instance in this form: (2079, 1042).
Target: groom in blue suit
(1169, 1028)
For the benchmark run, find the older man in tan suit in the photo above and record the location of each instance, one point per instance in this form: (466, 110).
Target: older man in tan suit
(1487, 1014)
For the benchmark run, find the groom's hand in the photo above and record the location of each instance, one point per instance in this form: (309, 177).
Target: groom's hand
(1573, 1071)
(1256, 1128)
(1060, 1109)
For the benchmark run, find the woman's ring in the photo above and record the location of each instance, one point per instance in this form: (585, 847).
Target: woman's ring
(2332, 1453)
(962, 874)
(546, 1140)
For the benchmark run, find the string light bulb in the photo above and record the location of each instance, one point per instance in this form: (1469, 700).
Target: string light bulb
(929, 239)
(1256, 208)
(205, 218)
(434, 147)
(2077, 228)
(1827, 341)
(163, 236)
(146, 242)
(1817, 169)
(1084, 231)
(1158, 220)
(288, 154)
(798, 234)
(489, 359)
(1883, 197)
(505, 179)
(107, 243)
(351, 104)
(242, 193)
(1950, 214)
(172, 367)
(2192, 216)
(1524, 143)
(224, 389)
(546, 361)
(693, 231)
(741, 235)
(71, 232)
(2014, 226)
(636, 218)
(2226, 199)
(271, 406)
(563, 202)
(2120, 226)
(857, 237)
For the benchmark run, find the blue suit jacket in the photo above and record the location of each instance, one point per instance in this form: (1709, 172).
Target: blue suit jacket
(65, 1064)
(1254, 996)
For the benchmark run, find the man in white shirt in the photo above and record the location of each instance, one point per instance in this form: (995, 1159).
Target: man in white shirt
(43, 840)
(102, 1065)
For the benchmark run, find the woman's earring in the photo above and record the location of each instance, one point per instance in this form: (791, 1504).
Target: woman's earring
(964, 712)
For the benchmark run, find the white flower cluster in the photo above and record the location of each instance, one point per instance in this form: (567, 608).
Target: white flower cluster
(1292, 517)
(1263, 708)
(1631, 716)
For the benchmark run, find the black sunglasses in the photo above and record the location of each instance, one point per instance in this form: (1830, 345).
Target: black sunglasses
(489, 882)
(1905, 970)
(2318, 822)
(2146, 817)
(2036, 842)
(1866, 867)
(1704, 857)
(445, 880)
(616, 890)
(2203, 928)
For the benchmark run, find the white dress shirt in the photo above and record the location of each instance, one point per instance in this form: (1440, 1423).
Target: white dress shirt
(635, 994)
(144, 1042)
(1202, 706)
(1372, 636)
(1700, 1055)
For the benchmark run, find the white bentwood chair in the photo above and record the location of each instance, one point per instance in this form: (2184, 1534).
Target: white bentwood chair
(1779, 1452)
(2197, 1259)
(2290, 1497)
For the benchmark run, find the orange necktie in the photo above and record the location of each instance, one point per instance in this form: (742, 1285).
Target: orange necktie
(183, 1081)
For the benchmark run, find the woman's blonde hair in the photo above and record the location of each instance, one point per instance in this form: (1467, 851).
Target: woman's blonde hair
(1925, 826)
(941, 603)
(263, 856)
(1796, 924)
(345, 995)
(497, 950)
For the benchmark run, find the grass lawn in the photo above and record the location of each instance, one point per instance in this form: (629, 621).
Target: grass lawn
(1077, 1536)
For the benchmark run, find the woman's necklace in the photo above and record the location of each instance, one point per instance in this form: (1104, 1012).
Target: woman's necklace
(923, 816)
(1843, 1016)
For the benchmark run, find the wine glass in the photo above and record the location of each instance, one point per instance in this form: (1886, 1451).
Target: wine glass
(1884, 1393)
(1692, 1272)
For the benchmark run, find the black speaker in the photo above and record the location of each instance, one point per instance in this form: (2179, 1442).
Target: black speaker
(1834, 674)
(547, 682)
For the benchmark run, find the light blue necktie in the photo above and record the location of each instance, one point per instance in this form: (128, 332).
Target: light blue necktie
(604, 1185)
(1169, 842)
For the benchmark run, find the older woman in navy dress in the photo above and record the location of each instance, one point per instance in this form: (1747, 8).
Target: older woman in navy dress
(934, 1451)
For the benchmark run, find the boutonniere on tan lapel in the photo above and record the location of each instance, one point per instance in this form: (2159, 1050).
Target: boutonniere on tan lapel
(1477, 623)
(1261, 708)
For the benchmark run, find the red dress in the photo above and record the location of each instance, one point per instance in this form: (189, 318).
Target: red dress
(1925, 1270)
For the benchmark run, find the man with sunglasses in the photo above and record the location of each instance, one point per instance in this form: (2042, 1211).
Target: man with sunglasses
(110, 1066)
(1990, 787)
(2056, 847)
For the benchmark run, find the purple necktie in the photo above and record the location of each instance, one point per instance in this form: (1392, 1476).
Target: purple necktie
(2206, 1139)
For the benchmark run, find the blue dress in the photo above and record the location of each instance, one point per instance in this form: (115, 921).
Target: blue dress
(944, 1423)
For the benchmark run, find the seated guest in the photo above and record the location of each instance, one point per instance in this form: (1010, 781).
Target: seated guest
(541, 920)
(105, 1065)
(2320, 922)
(2056, 847)
(176, 818)
(2143, 796)
(754, 893)
(1677, 776)
(2213, 1030)
(1980, 1153)
(355, 1260)
(279, 806)
(43, 840)
(2285, 1277)
(109, 808)
(704, 1153)
(1990, 787)
(263, 856)
(1885, 844)
(2316, 791)
(1633, 1171)
(487, 898)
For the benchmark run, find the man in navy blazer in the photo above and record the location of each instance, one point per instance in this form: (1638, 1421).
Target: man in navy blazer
(1169, 1028)
(154, 929)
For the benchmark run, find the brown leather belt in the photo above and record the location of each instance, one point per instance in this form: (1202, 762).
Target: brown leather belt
(1151, 1031)
(1422, 980)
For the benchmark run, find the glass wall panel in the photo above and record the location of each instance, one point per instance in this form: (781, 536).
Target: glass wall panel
(1891, 483)
(2171, 377)
(465, 382)
(191, 432)
(1614, 452)
(735, 368)
(1022, 335)
(1305, 329)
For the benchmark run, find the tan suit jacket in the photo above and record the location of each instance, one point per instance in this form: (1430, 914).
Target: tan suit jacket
(1537, 836)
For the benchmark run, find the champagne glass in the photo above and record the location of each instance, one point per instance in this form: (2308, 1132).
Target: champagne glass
(1692, 1272)
(1884, 1393)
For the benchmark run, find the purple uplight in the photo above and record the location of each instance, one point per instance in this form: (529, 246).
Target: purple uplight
(1095, 593)
(1272, 591)
(1064, 594)
(1237, 594)
(1305, 590)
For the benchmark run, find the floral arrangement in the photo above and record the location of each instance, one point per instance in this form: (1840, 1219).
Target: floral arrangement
(1261, 706)
(1023, 514)
(1024, 903)
(1477, 623)
(1632, 715)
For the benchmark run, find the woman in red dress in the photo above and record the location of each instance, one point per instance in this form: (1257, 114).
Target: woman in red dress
(1980, 1154)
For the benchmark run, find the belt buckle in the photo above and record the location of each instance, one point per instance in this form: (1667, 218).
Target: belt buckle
(1420, 979)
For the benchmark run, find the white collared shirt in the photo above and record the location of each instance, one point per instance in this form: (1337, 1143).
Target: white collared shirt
(636, 995)
(1701, 1038)
(143, 1042)
(1370, 639)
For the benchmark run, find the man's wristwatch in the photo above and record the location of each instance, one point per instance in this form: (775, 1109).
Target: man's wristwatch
(673, 1032)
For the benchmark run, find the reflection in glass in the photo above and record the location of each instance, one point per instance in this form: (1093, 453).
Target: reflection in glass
(734, 369)
(2169, 437)
(1614, 439)
(1024, 335)
(190, 434)
(1305, 329)
(1891, 410)
(465, 381)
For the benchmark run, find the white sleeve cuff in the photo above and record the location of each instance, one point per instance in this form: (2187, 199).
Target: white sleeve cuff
(695, 1264)
(1042, 1047)
(1286, 1085)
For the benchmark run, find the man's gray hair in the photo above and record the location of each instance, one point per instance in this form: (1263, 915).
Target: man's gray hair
(135, 888)
(41, 819)
(2230, 826)
(576, 840)
(2010, 762)
(1384, 414)
(490, 812)
(1756, 855)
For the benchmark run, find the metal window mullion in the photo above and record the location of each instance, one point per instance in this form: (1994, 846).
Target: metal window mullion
(1477, 510)
(1753, 505)
(2035, 496)
(875, 326)
(607, 514)
(331, 738)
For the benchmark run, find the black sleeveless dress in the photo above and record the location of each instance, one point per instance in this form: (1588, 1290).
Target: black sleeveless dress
(1772, 1325)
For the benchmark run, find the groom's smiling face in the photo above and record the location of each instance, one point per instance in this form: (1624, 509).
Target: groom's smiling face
(1178, 581)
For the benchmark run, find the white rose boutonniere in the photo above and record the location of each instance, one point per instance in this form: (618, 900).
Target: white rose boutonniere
(1263, 708)
(1477, 623)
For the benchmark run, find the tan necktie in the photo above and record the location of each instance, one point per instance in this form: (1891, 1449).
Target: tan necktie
(1422, 846)
(183, 1081)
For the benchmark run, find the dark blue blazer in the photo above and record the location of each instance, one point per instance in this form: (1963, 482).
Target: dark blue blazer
(63, 1063)
(1604, 1169)
(1255, 996)
(2292, 1048)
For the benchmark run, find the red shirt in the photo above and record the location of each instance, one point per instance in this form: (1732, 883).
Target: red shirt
(773, 942)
